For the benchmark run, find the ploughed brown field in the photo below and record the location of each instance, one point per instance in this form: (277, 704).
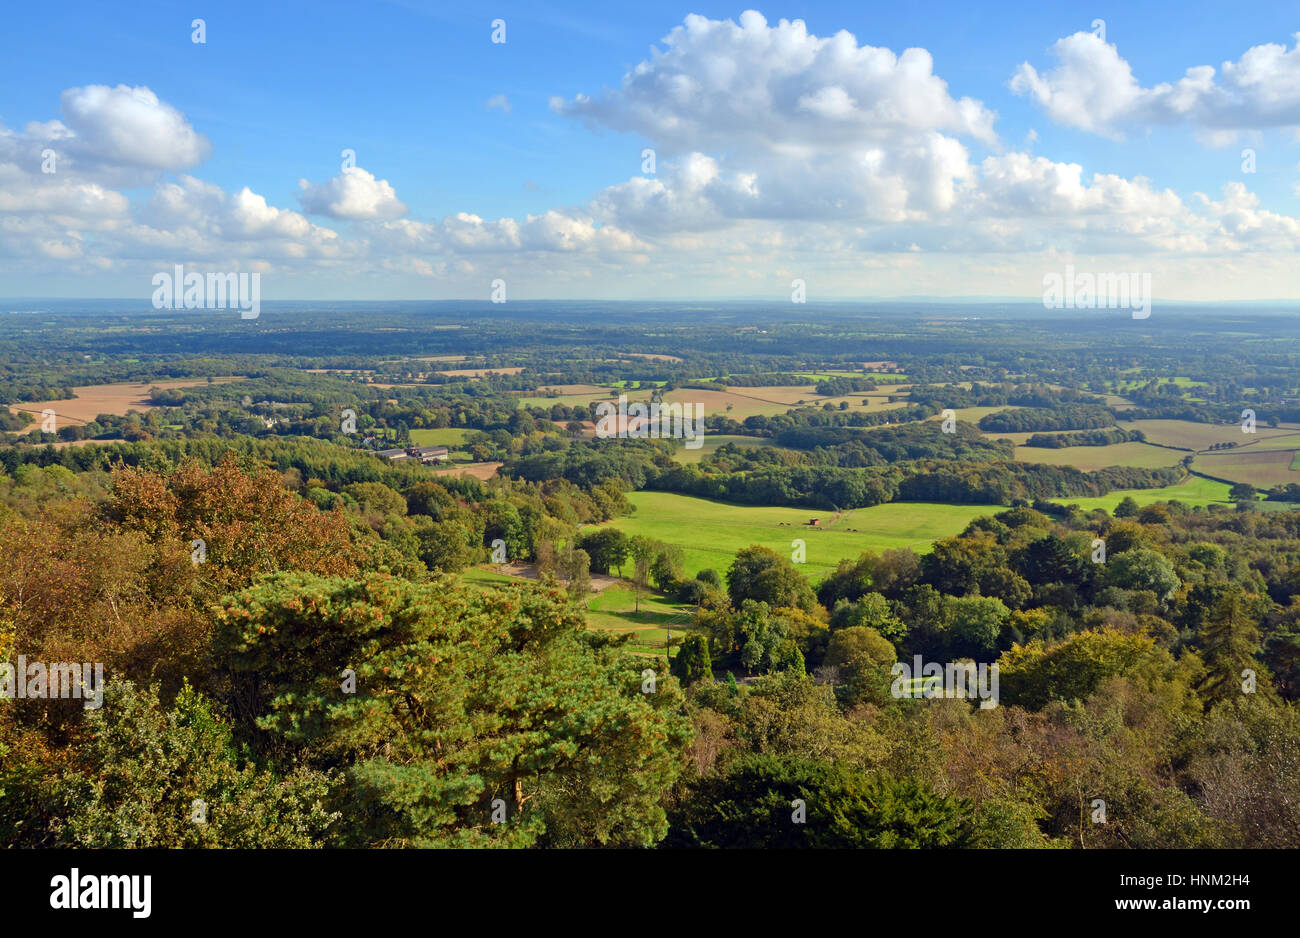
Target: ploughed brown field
(116, 399)
(479, 470)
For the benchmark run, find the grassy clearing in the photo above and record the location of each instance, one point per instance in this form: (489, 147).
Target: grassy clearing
(1193, 491)
(971, 415)
(450, 437)
(713, 441)
(483, 576)
(710, 532)
(614, 608)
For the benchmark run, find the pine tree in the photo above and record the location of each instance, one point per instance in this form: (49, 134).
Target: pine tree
(1229, 640)
(692, 662)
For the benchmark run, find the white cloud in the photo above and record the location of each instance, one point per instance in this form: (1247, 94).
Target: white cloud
(1244, 225)
(1093, 88)
(781, 154)
(59, 195)
(466, 233)
(1020, 184)
(753, 87)
(499, 102)
(352, 195)
(131, 127)
(120, 137)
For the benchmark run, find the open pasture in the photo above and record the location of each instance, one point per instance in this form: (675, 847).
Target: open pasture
(711, 532)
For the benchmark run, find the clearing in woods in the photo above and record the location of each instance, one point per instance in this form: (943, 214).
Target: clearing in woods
(710, 532)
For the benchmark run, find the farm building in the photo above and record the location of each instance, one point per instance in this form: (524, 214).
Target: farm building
(426, 454)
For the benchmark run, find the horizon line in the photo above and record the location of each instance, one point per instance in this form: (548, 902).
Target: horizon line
(912, 298)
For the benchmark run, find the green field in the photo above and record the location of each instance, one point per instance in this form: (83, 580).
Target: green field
(450, 437)
(1180, 381)
(1192, 491)
(613, 609)
(485, 576)
(712, 442)
(710, 532)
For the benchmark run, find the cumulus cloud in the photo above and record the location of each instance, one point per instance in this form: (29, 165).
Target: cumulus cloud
(746, 86)
(466, 233)
(351, 196)
(194, 218)
(782, 154)
(22, 192)
(912, 179)
(499, 102)
(131, 127)
(1093, 88)
(120, 136)
(1020, 184)
(1245, 225)
(761, 122)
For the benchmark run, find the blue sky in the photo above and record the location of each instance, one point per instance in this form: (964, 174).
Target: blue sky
(278, 90)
